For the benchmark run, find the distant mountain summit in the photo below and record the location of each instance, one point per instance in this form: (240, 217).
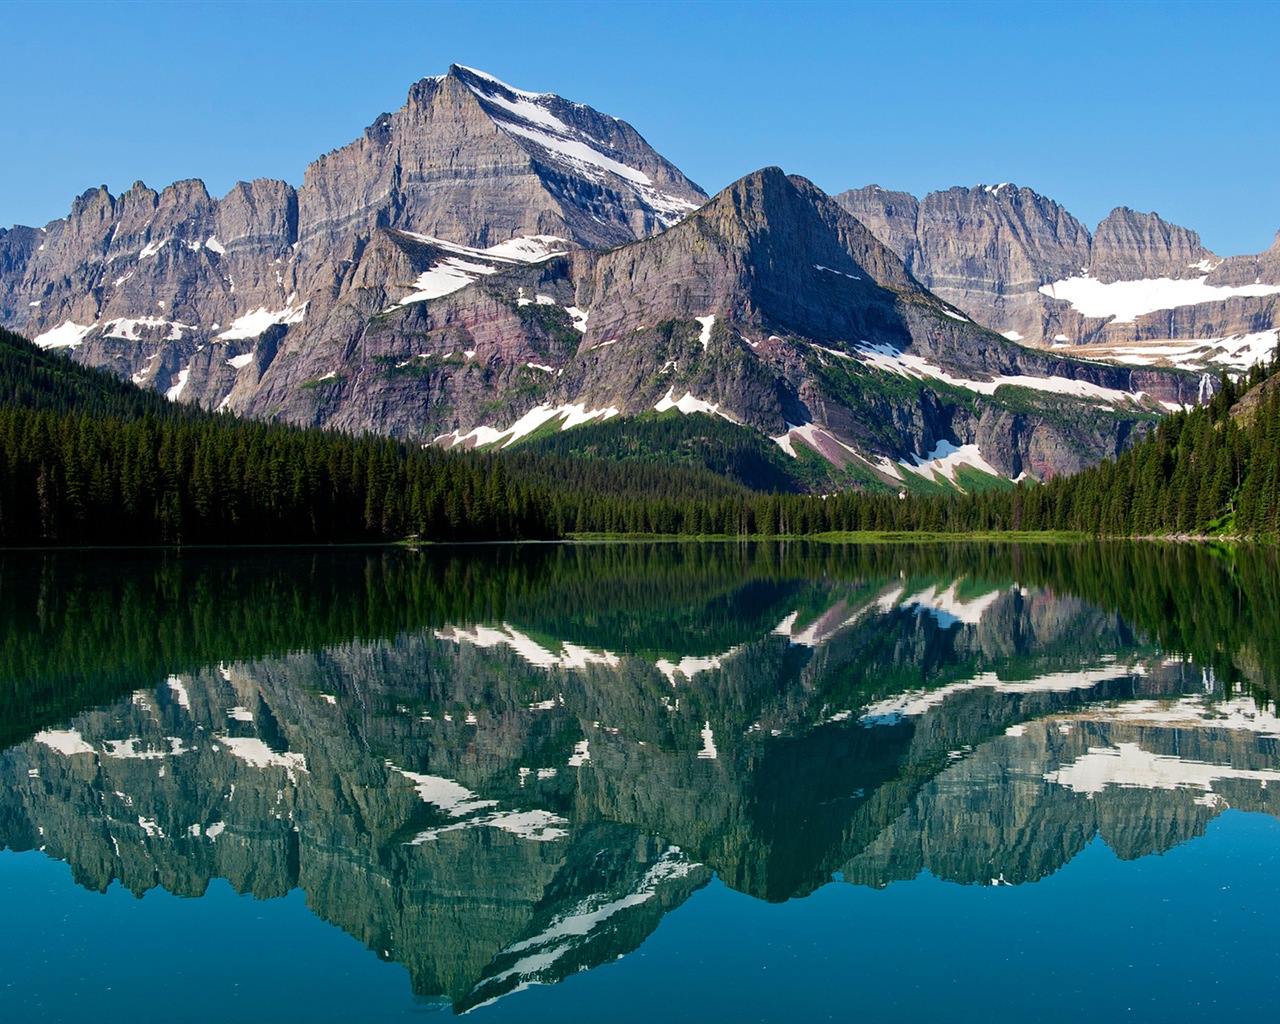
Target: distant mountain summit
(1020, 264)
(473, 160)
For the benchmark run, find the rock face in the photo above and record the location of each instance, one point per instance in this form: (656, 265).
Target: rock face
(472, 160)
(167, 288)
(769, 306)
(1020, 264)
(448, 277)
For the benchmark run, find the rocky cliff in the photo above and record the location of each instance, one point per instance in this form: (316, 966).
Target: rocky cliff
(1020, 264)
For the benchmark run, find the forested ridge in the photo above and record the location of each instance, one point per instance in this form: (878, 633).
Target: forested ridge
(88, 459)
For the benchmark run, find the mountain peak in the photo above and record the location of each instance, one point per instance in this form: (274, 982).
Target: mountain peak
(576, 140)
(474, 77)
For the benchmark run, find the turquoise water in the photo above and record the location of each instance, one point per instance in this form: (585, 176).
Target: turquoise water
(688, 782)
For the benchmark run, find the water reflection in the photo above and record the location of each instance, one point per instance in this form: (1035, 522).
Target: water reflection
(501, 767)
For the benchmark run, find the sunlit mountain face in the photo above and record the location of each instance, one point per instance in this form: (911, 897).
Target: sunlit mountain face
(500, 767)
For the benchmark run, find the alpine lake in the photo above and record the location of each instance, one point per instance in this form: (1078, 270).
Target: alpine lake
(702, 782)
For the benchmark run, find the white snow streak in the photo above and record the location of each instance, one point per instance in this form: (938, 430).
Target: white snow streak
(574, 415)
(571, 656)
(704, 335)
(886, 357)
(1125, 301)
(253, 323)
(1128, 766)
(906, 705)
(65, 335)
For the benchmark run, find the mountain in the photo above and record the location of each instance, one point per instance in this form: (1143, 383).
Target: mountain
(1137, 290)
(488, 263)
(142, 282)
(770, 306)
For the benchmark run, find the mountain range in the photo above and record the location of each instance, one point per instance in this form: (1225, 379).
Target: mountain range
(488, 264)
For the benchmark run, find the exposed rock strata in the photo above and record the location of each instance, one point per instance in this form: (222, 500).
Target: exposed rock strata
(994, 251)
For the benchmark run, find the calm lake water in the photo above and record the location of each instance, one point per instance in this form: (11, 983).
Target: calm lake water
(760, 782)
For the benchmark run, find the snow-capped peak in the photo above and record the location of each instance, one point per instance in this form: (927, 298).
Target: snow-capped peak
(477, 73)
(530, 118)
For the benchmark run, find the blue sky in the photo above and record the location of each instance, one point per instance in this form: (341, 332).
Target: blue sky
(1166, 107)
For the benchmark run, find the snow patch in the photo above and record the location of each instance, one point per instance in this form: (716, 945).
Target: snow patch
(127, 749)
(175, 392)
(528, 248)
(688, 404)
(451, 797)
(536, 825)
(894, 709)
(949, 608)
(704, 335)
(571, 656)
(127, 328)
(253, 323)
(1125, 301)
(65, 335)
(180, 692)
(1128, 766)
(708, 751)
(689, 666)
(570, 930)
(577, 153)
(252, 751)
(444, 278)
(65, 741)
(783, 441)
(573, 414)
(1238, 352)
(893, 360)
(946, 458)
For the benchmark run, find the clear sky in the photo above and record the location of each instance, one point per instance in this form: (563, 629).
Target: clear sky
(1167, 107)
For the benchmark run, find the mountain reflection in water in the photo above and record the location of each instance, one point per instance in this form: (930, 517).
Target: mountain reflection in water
(502, 766)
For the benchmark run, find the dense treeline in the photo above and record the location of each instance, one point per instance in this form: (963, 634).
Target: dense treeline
(70, 478)
(88, 459)
(79, 632)
(33, 379)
